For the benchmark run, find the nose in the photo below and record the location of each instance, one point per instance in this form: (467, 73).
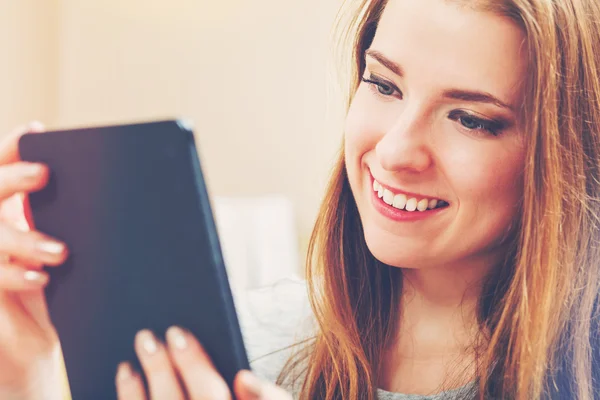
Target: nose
(405, 146)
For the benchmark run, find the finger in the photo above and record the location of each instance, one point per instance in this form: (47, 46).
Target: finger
(31, 247)
(27, 264)
(160, 373)
(22, 177)
(129, 384)
(200, 378)
(9, 146)
(18, 278)
(12, 212)
(248, 387)
(28, 222)
(16, 209)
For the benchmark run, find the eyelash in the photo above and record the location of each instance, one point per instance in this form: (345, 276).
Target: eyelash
(379, 86)
(382, 88)
(490, 126)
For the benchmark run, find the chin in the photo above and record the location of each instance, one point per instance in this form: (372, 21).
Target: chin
(386, 249)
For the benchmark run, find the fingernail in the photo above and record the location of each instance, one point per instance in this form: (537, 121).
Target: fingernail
(148, 342)
(36, 126)
(176, 338)
(252, 384)
(124, 371)
(34, 276)
(51, 247)
(32, 170)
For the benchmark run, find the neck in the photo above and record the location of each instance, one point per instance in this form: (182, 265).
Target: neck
(437, 328)
(442, 289)
(439, 307)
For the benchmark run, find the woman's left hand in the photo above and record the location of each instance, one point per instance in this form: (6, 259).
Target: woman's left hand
(180, 370)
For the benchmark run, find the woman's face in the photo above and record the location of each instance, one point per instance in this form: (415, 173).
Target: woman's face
(435, 120)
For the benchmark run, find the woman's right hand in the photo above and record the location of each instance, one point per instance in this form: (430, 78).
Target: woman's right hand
(28, 341)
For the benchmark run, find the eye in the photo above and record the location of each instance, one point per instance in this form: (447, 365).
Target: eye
(471, 123)
(474, 123)
(384, 87)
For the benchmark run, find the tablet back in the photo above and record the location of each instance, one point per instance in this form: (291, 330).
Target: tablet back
(131, 204)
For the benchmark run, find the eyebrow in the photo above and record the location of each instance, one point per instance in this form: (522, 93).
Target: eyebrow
(386, 62)
(456, 94)
(476, 97)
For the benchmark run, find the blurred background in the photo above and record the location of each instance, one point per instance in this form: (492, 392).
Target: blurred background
(255, 77)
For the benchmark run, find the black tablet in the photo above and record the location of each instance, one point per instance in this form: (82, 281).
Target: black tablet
(131, 204)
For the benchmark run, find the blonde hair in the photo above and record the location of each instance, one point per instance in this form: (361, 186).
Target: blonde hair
(541, 305)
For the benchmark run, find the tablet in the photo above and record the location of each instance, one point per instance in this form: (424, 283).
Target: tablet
(131, 204)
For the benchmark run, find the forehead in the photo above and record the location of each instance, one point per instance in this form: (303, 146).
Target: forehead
(443, 44)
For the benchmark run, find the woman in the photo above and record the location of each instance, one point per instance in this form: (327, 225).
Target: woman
(456, 251)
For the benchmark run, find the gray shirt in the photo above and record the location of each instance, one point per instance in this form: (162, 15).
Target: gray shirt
(275, 317)
(460, 393)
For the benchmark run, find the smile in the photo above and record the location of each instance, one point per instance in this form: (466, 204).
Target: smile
(403, 206)
(405, 202)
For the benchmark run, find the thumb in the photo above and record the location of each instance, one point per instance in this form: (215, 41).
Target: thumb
(249, 387)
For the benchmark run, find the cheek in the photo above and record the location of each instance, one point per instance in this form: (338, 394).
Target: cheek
(363, 128)
(488, 185)
(358, 127)
(491, 175)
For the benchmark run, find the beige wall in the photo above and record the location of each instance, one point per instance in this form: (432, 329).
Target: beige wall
(252, 75)
(29, 56)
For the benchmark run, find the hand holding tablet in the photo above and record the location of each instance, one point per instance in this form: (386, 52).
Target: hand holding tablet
(131, 204)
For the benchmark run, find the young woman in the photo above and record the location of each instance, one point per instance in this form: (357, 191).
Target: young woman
(456, 254)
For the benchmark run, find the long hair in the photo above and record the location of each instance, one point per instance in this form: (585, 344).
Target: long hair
(540, 305)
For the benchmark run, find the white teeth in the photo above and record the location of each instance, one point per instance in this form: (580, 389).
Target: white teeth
(411, 204)
(388, 197)
(422, 205)
(399, 201)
